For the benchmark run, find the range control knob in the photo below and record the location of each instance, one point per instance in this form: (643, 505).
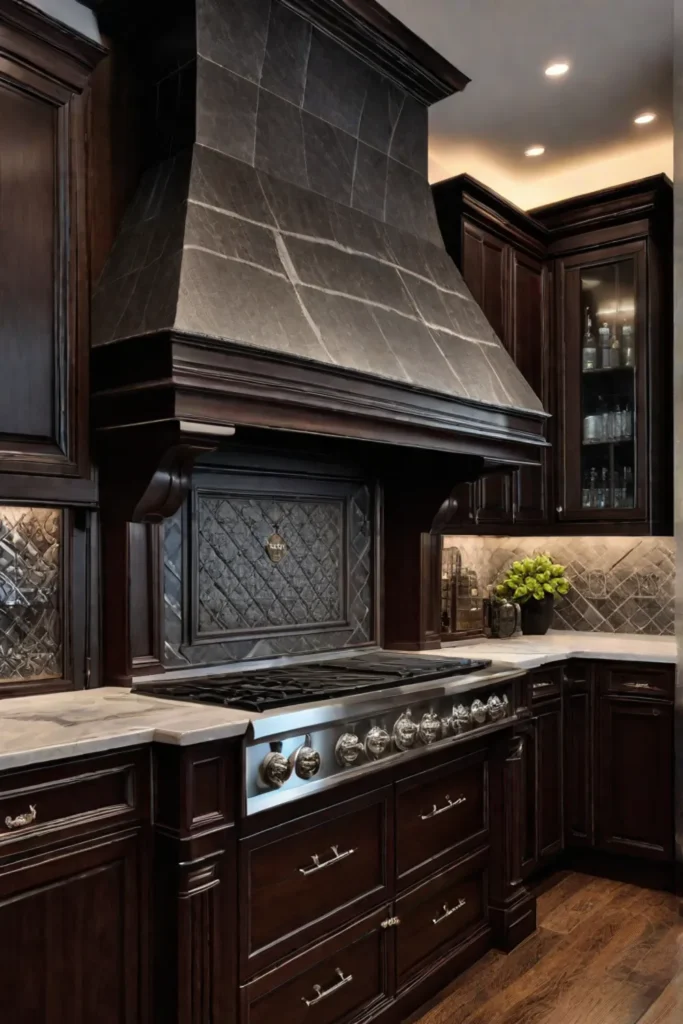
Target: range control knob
(478, 712)
(446, 725)
(461, 720)
(405, 731)
(348, 750)
(376, 742)
(430, 727)
(495, 708)
(305, 760)
(276, 769)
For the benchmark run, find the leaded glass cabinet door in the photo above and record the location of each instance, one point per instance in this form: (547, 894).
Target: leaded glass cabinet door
(603, 423)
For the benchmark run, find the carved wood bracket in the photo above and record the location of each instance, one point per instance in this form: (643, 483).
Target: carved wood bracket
(146, 469)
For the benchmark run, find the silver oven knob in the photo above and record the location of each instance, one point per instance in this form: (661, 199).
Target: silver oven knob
(405, 731)
(446, 725)
(461, 720)
(430, 727)
(478, 712)
(495, 708)
(348, 749)
(276, 769)
(305, 760)
(376, 742)
(506, 704)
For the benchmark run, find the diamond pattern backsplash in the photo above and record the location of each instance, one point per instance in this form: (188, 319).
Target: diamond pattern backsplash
(319, 597)
(239, 588)
(619, 584)
(30, 613)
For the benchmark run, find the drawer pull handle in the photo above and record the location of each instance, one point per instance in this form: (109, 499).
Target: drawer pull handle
(541, 686)
(323, 993)
(639, 686)
(391, 922)
(440, 810)
(318, 865)
(448, 911)
(22, 820)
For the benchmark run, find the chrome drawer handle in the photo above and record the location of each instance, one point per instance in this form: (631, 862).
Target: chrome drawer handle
(541, 686)
(391, 922)
(318, 865)
(440, 810)
(639, 686)
(323, 993)
(22, 820)
(448, 911)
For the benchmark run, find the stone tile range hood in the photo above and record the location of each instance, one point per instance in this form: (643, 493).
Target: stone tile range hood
(281, 265)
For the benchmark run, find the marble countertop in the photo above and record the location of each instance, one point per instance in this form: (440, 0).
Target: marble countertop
(558, 645)
(52, 726)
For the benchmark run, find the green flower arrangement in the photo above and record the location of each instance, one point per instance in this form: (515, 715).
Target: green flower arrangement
(533, 577)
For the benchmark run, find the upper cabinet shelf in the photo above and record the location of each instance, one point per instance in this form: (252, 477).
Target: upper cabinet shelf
(593, 335)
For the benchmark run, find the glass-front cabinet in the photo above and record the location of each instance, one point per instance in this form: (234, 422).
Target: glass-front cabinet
(603, 379)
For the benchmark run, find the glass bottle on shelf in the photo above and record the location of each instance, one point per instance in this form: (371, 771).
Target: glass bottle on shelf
(603, 415)
(601, 489)
(628, 351)
(592, 425)
(586, 493)
(627, 422)
(615, 350)
(627, 487)
(594, 488)
(589, 352)
(605, 350)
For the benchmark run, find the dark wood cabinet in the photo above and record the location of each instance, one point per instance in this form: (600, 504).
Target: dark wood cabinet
(44, 280)
(543, 771)
(635, 777)
(537, 276)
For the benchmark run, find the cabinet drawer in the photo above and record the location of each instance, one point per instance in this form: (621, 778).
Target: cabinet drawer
(305, 879)
(340, 980)
(439, 913)
(545, 684)
(440, 814)
(59, 801)
(638, 681)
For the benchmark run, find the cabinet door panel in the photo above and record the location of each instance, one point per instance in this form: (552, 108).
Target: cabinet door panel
(74, 922)
(485, 269)
(43, 273)
(635, 753)
(579, 709)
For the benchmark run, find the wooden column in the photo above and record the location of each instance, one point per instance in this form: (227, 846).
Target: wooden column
(512, 907)
(195, 895)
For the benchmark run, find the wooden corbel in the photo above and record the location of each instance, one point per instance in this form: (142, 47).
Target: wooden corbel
(145, 470)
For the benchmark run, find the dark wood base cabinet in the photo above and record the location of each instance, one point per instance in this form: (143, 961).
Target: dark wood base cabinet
(128, 902)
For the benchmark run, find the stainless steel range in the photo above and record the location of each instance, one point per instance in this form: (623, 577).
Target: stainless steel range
(316, 724)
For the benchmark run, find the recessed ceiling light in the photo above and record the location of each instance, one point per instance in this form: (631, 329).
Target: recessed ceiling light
(644, 118)
(534, 151)
(557, 69)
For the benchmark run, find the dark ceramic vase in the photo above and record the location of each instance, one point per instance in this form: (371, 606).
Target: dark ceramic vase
(537, 616)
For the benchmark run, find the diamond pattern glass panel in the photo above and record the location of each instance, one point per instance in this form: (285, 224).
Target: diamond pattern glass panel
(30, 594)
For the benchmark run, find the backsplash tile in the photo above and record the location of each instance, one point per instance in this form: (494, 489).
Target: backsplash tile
(619, 584)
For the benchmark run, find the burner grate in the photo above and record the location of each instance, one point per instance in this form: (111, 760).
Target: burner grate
(282, 687)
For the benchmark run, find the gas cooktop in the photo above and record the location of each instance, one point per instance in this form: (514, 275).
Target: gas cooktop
(268, 689)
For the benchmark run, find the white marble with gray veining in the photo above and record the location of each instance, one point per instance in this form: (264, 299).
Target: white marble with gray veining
(48, 727)
(558, 645)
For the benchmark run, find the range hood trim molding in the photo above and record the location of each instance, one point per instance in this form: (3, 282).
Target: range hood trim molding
(372, 33)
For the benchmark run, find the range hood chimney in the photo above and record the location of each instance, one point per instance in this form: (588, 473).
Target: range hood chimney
(281, 265)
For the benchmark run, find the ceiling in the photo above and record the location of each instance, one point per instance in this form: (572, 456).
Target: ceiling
(621, 55)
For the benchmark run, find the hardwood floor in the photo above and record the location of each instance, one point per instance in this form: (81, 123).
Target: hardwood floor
(604, 953)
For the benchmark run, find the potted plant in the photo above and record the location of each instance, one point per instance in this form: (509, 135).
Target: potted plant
(534, 583)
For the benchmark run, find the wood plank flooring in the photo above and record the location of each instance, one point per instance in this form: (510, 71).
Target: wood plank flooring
(604, 953)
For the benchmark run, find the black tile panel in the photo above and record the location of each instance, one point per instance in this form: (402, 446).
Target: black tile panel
(226, 111)
(232, 237)
(297, 209)
(522, 395)
(176, 98)
(280, 146)
(287, 50)
(357, 231)
(233, 34)
(237, 302)
(409, 139)
(228, 184)
(409, 204)
(428, 301)
(351, 334)
(370, 182)
(336, 84)
(414, 347)
(381, 110)
(330, 159)
(468, 360)
(354, 275)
